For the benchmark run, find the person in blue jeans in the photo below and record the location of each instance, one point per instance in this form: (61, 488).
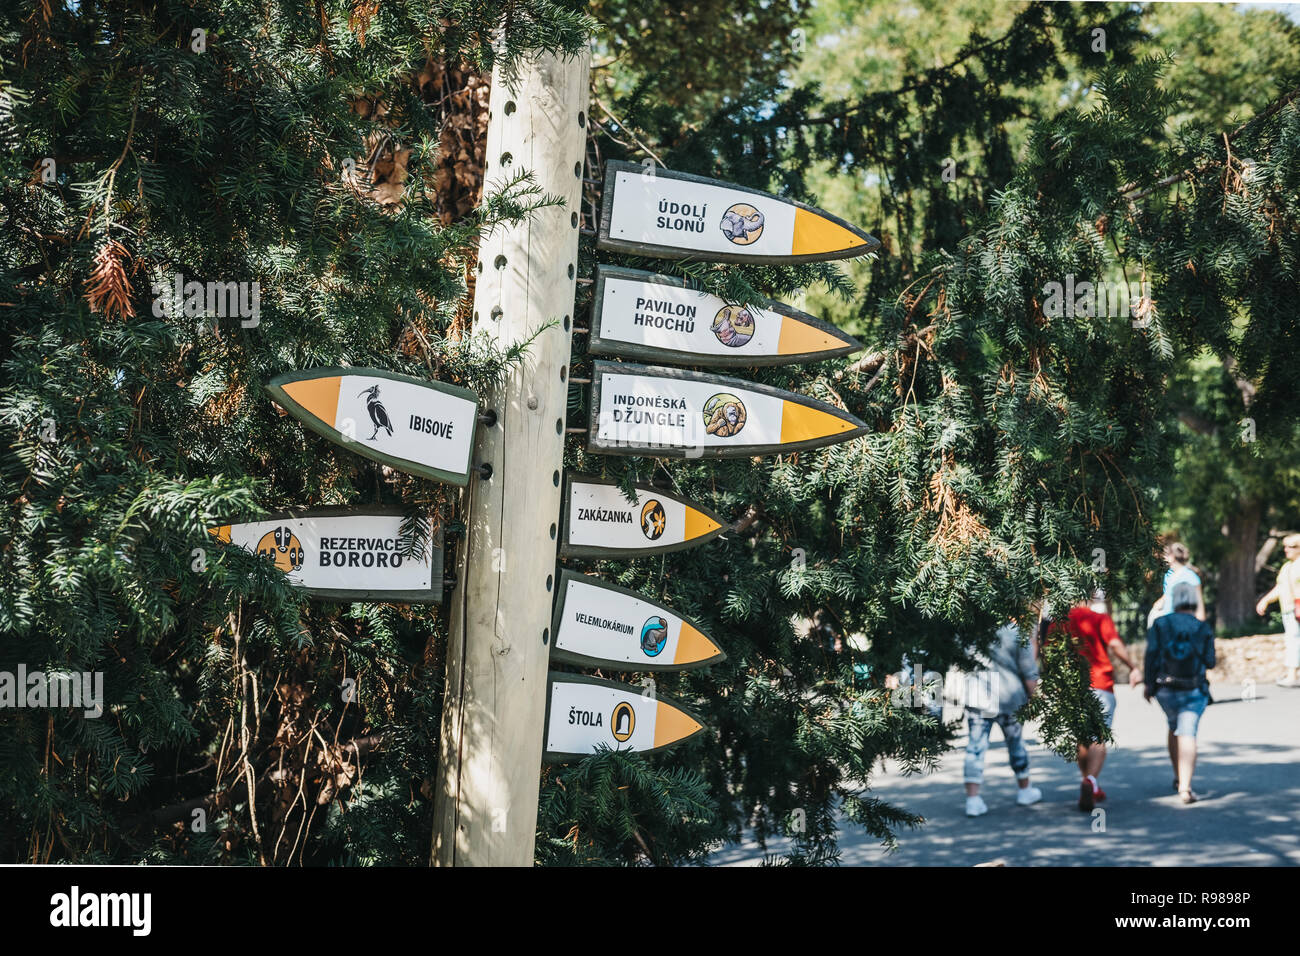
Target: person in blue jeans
(993, 696)
(1180, 649)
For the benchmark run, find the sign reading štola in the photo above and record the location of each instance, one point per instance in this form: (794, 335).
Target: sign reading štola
(598, 624)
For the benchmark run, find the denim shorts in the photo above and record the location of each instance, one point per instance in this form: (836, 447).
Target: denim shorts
(1107, 700)
(1183, 709)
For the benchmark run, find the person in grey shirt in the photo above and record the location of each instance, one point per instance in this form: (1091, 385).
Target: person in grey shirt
(993, 695)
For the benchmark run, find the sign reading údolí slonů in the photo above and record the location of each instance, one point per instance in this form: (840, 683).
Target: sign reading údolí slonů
(644, 315)
(345, 554)
(599, 521)
(417, 426)
(585, 713)
(639, 410)
(670, 215)
(603, 625)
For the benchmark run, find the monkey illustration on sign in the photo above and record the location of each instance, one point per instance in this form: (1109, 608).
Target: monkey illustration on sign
(724, 415)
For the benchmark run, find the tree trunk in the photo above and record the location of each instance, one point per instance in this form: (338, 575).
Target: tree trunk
(1235, 602)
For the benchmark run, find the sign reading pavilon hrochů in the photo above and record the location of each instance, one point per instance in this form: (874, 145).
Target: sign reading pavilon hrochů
(345, 554)
(599, 521)
(420, 427)
(639, 410)
(669, 215)
(648, 316)
(584, 713)
(598, 624)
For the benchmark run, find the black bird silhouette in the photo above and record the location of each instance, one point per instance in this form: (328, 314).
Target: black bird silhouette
(378, 415)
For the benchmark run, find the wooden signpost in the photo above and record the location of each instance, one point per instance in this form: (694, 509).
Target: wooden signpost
(420, 427)
(599, 521)
(668, 215)
(345, 554)
(586, 713)
(639, 410)
(597, 624)
(643, 315)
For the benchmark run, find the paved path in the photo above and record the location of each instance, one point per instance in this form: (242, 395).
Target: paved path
(1248, 776)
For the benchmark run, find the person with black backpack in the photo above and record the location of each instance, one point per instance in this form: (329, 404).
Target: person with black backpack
(1180, 649)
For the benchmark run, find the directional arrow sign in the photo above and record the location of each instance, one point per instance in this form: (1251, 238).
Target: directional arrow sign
(584, 713)
(599, 624)
(345, 554)
(638, 410)
(420, 427)
(643, 315)
(655, 212)
(600, 522)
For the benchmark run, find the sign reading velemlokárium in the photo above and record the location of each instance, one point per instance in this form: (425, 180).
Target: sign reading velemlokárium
(586, 713)
(600, 624)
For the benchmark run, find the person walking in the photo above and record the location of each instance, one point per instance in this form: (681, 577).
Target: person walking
(1287, 593)
(1180, 649)
(1180, 571)
(1096, 638)
(993, 696)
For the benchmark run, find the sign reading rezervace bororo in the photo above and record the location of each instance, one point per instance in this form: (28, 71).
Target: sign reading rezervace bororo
(417, 426)
(603, 625)
(599, 521)
(346, 554)
(669, 215)
(639, 410)
(584, 713)
(644, 315)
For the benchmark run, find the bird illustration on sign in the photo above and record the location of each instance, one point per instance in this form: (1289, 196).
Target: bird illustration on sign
(378, 414)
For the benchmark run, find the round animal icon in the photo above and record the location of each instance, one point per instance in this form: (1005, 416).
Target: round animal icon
(283, 548)
(653, 519)
(623, 721)
(654, 635)
(733, 325)
(724, 415)
(742, 223)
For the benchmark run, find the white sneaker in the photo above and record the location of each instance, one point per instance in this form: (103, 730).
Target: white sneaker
(976, 807)
(1027, 795)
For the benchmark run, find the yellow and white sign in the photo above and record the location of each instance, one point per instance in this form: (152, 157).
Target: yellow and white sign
(585, 713)
(643, 315)
(421, 427)
(344, 554)
(639, 410)
(670, 215)
(600, 521)
(600, 624)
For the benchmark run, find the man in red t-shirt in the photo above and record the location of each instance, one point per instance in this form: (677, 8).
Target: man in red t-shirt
(1096, 638)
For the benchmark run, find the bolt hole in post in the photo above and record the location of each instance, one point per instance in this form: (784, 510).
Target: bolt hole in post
(546, 635)
(552, 532)
(496, 312)
(499, 262)
(566, 323)
(559, 426)
(582, 117)
(555, 479)
(550, 579)
(577, 170)
(573, 220)
(570, 270)
(507, 159)
(564, 373)
(510, 107)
